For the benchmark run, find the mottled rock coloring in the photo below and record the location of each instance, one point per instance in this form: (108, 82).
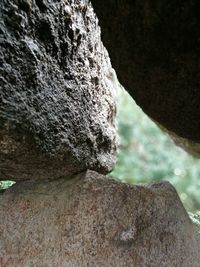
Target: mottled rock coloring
(93, 221)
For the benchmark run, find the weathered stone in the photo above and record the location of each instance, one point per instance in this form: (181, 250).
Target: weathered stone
(190, 146)
(57, 91)
(154, 47)
(94, 221)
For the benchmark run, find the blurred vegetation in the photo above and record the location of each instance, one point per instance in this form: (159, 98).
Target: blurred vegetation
(195, 219)
(5, 184)
(147, 154)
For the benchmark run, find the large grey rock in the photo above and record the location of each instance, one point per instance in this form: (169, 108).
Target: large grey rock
(57, 91)
(93, 221)
(154, 47)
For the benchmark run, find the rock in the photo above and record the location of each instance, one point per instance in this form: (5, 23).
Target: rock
(189, 146)
(94, 221)
(57, 91)
(154, 48)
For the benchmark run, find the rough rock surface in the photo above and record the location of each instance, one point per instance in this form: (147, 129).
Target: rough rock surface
(154, 48)
(94, 221)
(57, 91)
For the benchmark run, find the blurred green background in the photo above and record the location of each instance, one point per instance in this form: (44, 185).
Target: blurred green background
(146, 154)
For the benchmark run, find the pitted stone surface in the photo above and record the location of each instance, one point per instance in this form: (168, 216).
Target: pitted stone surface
(57, 91)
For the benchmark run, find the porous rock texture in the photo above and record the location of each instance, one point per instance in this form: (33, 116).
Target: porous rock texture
(57, 91)
(93, 221)
(154, 48)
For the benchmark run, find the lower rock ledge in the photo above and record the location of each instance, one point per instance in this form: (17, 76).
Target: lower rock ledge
(94, 221)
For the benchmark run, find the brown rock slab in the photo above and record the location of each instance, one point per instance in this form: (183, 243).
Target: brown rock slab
(94, 221)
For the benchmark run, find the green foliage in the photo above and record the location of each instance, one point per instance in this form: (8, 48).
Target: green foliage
(147, 154)
(5, 184)
(195, 219)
